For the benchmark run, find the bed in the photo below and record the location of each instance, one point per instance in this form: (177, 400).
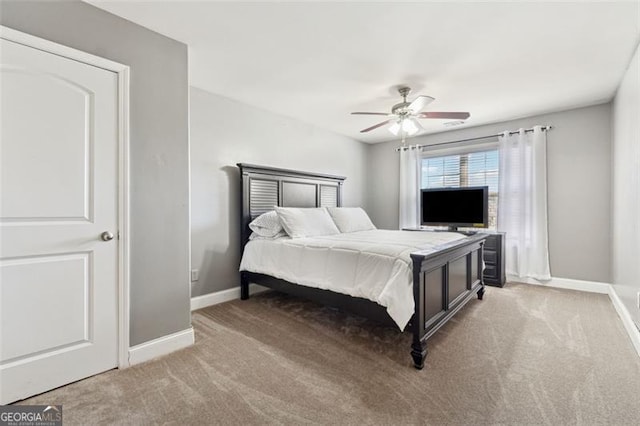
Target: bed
(442, 271)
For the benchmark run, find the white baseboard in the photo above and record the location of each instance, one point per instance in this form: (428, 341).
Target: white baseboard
(625, 316)
(566, 283)
(199, 302)
(161, 346)
(593, 287)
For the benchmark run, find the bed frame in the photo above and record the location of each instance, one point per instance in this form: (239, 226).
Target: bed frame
(444, 280)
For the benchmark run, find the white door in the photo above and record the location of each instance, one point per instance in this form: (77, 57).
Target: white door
(59, 193)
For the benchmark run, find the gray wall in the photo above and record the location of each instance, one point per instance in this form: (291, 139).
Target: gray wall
(626, 189)
(226, 132)
(159, 149)
(579, 186)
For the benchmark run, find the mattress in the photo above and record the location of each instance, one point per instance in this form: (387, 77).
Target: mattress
(374, 265)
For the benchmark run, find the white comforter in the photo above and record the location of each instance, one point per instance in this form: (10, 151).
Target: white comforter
(374, 265)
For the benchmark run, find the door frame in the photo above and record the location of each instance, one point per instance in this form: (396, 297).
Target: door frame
(122, 72)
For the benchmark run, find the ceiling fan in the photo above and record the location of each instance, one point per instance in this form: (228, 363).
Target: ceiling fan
(405, 115)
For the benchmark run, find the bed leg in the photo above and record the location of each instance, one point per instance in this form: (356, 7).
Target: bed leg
(481, 293)
(418, 352)
(244, 286)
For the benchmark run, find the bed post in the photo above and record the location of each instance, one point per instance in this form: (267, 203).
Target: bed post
(419, 344)
(418, 351)
(481, 269)
(244, 286)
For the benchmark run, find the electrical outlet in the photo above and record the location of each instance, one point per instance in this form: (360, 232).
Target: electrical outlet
(195, 275)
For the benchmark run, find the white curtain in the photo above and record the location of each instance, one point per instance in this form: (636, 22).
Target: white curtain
(522, 203)
(410, 176)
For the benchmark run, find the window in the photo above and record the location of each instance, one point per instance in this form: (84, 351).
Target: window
(477, 168)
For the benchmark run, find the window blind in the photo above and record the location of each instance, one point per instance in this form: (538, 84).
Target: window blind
(471, 168)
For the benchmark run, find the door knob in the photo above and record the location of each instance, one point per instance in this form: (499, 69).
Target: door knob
(106, 236)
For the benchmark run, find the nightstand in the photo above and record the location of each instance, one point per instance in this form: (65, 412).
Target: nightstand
(494, 274)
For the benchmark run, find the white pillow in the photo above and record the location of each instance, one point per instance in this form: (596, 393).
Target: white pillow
(255, 236)
(267, 225)
(351, 219)
(306, 222)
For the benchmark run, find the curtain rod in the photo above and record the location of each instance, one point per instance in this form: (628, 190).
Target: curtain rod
(544, 128)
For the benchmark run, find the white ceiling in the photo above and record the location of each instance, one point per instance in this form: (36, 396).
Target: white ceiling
(317, 62)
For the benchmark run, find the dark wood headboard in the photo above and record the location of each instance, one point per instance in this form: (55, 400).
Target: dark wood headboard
(264, 187)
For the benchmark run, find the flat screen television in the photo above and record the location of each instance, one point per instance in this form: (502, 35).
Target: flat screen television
(455, 207)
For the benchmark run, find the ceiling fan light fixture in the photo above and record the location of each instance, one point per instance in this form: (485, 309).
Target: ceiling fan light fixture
(409, 126)
(406, 126)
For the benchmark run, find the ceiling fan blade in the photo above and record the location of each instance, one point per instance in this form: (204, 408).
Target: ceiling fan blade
(369, 113)
(419, 103)
(445, 115)
(375, 127)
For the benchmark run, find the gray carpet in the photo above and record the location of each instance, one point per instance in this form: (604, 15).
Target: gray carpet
(523, 355)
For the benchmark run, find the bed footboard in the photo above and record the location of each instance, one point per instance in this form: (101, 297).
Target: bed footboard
(443, 282)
